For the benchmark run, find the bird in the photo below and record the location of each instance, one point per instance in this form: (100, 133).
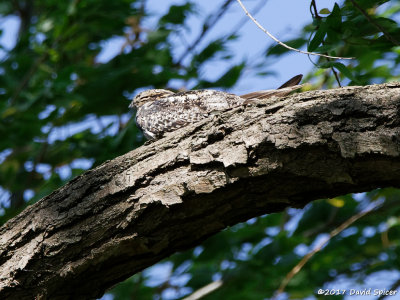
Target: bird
(159, 111)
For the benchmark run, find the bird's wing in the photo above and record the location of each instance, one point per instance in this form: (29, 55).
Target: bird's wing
(292, 81)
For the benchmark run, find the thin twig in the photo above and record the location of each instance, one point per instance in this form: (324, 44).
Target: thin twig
(336, 76)
(315, 14)
(394, 286)
(200, 293)
(332, 234)
(387, 35)
(283, 44)
(314, 6)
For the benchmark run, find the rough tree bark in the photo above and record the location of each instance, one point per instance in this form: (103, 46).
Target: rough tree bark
(167, 196)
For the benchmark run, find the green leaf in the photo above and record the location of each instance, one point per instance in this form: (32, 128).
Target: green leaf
(318, 38)
(325, 11)
(177, 14)
(334, 20)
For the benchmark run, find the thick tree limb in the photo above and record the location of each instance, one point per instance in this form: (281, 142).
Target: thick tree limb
(139, 208)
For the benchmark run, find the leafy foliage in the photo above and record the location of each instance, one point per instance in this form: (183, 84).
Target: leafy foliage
(64, 110)
(367, 31)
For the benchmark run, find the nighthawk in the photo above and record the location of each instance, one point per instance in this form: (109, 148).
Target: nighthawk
(160, 111)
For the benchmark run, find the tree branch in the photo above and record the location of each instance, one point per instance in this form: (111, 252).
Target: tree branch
(170, 195)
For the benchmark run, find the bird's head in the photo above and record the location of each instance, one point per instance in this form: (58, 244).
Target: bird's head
(148, 96)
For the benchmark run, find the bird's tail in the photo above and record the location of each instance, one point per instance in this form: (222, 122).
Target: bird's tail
(285, 89)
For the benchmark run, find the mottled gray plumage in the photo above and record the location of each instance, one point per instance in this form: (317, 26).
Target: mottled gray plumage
(160, 111)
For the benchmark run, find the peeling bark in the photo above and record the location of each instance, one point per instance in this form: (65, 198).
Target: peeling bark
(167, 196)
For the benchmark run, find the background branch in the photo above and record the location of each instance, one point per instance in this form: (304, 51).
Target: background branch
(296, 269)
